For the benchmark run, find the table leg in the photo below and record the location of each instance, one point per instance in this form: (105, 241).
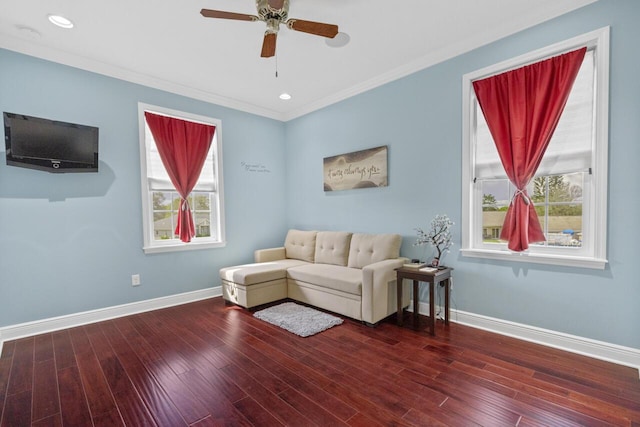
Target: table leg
(432, 307)
(399, 314)
(447, 285)
(416, 298)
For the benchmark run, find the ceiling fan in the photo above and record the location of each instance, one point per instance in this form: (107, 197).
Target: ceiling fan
(274, 13)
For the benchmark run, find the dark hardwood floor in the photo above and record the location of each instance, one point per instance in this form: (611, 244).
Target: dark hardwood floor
(206, 364)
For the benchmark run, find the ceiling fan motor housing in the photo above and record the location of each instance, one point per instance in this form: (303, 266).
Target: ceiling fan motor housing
(269, 14)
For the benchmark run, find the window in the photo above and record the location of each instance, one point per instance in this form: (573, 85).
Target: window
(160, 200)
(569, 190)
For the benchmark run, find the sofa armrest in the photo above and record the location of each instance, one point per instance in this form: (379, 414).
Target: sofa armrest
(271, 254)
(379, 289)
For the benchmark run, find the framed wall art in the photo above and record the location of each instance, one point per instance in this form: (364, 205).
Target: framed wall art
(359, 169)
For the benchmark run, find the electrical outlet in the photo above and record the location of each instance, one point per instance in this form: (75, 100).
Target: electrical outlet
(135, 280)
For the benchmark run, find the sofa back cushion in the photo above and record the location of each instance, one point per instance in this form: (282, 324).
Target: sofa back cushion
(332, 247)
(369, 248)
(300, 245)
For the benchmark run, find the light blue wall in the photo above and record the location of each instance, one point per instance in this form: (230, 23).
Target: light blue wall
(70, 242)
(419, 117)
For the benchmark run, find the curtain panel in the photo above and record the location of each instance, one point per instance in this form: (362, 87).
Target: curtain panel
(183, 147)
(522, 108)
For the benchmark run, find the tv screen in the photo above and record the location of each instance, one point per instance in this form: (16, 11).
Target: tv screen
(49, 145)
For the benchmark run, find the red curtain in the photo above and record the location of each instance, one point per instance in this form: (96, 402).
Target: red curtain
(183, 148)
(522, 108)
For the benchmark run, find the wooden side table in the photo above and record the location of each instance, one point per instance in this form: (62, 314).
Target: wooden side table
(432, 278)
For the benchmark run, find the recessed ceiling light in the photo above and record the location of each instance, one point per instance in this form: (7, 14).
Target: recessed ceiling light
(285, 96)
(60, 21)
(341, 39)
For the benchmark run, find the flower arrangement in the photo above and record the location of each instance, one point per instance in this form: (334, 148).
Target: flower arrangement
(439, 236)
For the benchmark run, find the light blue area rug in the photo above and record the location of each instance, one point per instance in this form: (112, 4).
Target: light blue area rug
(298, 319)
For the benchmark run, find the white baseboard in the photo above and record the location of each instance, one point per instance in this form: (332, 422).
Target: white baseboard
(614, 353)
(77, 319)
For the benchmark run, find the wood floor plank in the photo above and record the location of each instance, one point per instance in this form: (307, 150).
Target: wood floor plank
(101, 347)
(221, 410)
(132, 409)
(108, 419)
(43, 348)
(21, 378)
(8, 348)
(362, 401)
(208, 364)
(79, 341)
(152, 344)
(52, 421)
(46, 401)
(5, 370)
(216, 379)
(266, 378)
(279, 408)
(17, 410)
(208, 422)
(361, 420)
(316, 413)
(63, 350)
(73, 402)
(138, 335)
(422, 418)
(255, 413)
(95, 384)
(115, 375)
(179, 392)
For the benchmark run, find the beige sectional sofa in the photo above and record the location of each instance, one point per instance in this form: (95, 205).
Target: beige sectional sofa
(352, 274)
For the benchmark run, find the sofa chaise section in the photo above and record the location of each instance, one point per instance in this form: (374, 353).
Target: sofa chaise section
(255, 284)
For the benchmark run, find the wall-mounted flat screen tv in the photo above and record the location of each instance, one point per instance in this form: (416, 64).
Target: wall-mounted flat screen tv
(50, 145)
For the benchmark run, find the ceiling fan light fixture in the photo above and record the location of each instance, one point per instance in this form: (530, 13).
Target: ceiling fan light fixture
(60, 21)
(285, 96)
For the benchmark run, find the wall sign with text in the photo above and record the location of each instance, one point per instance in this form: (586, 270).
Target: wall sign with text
(359, 169)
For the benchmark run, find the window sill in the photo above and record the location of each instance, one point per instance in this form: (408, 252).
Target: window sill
(536, 258)
(177, 247)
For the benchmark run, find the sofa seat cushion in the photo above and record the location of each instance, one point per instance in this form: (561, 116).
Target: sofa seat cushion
(251, 274)
(329, 276)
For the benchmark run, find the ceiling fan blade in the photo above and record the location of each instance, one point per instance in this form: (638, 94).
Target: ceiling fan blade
(208, 13)
(317, 28)
(269, 45)
(276, 4)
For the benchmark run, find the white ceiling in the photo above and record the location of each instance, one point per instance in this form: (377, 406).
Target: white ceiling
(167, 44)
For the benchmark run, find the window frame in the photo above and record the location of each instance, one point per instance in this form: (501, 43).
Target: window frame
(593, 255)
(151, 245)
